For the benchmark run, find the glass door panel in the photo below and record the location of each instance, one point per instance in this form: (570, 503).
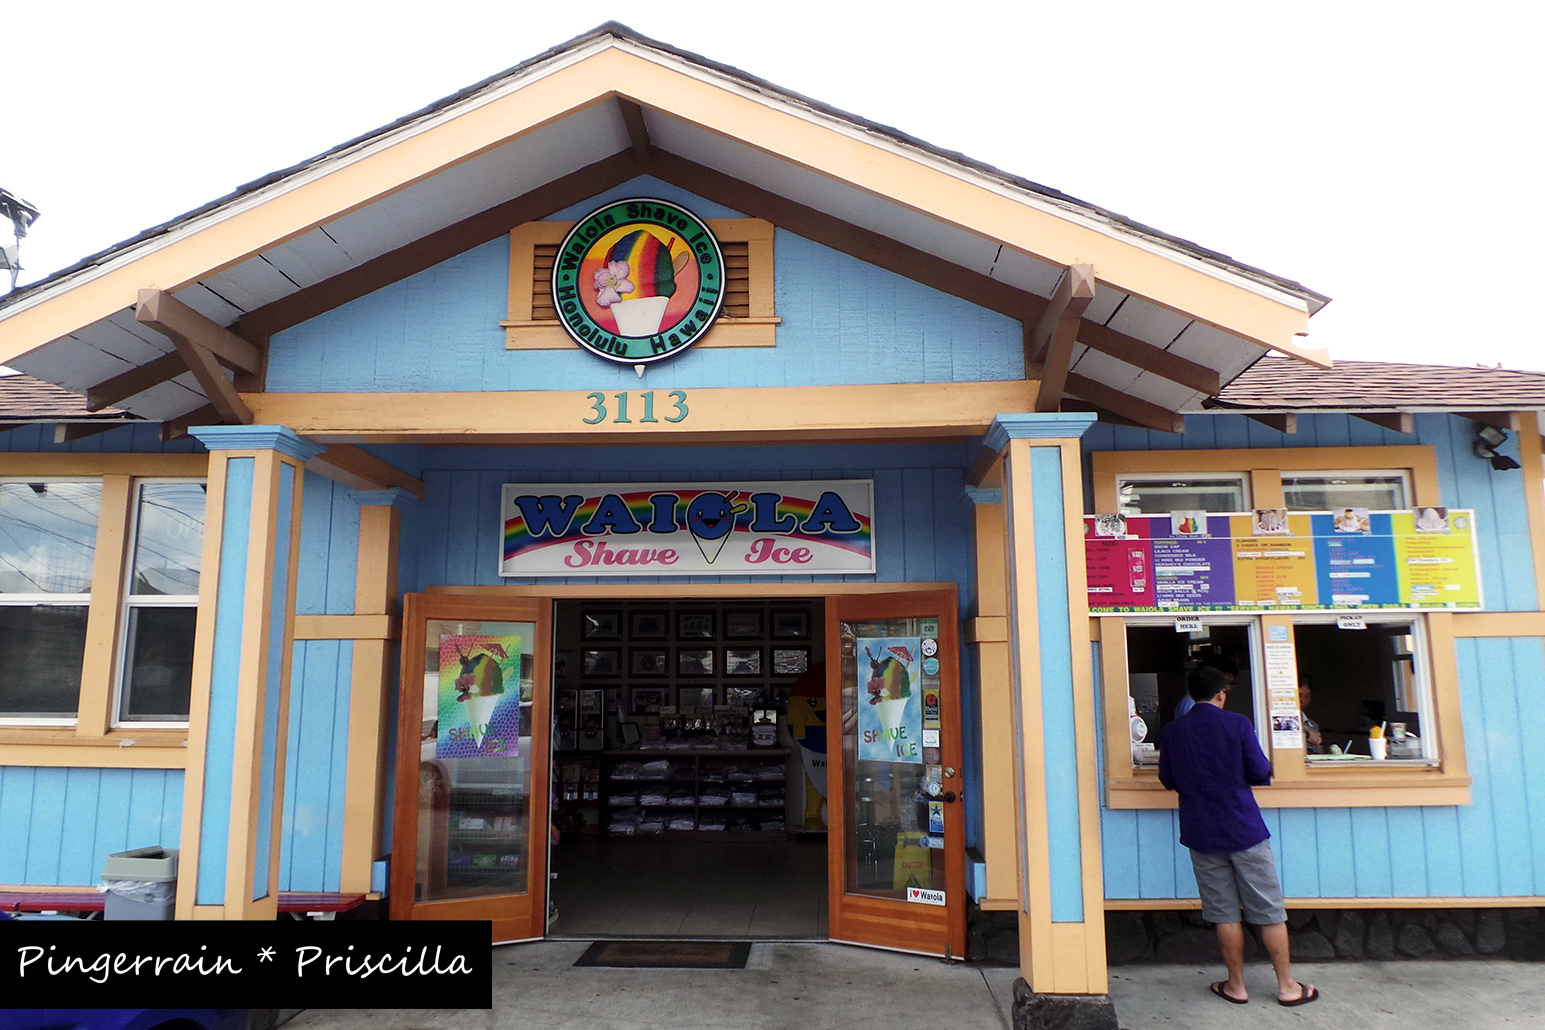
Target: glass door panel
(898, 879)
(471, 819)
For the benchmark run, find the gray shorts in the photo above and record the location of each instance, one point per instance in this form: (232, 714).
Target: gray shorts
(1243, 880)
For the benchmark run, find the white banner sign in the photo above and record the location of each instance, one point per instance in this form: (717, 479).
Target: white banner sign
(687, 529)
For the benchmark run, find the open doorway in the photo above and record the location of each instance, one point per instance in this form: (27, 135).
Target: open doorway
(689, 746)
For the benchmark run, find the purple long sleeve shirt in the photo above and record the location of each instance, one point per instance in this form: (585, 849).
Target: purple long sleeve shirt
(1211, 758)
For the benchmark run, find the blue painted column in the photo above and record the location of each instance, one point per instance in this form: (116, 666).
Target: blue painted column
(241, 673)
(1060, 894)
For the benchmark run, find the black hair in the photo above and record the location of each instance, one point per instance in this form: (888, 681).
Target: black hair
(1205, 683)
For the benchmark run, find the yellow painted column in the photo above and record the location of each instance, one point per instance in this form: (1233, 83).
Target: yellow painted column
(1055, 776)
(234, 794)
(375, 593)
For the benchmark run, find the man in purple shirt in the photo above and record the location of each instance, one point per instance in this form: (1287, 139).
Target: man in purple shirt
(1211, 758)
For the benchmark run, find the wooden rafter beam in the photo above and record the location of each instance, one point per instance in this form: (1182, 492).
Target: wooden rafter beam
(177, 428)
(191, 333)
(68, 432)
(136, 380)
(1282, 422)
(172, 318)
(1398, 421)
(638, 131)
(261, 323)
(358, 469)
(831, 231)
(1149, 358)
(1049, 339)
(1140, 411)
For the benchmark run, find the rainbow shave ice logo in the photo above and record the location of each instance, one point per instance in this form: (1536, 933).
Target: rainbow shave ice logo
(638, 280)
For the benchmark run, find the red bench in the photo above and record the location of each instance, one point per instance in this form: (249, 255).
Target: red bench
(86, 899)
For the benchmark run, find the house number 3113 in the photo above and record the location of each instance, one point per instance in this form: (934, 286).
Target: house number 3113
(676, 404)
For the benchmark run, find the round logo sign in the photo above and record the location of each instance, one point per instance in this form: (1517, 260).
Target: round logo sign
(930, 646)
(638, 280)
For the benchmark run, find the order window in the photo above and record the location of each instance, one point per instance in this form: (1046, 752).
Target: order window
(1334, 491)
(1359, 680)
(1159, 495)
(1159, 662)
(48, 532)
(161, 607)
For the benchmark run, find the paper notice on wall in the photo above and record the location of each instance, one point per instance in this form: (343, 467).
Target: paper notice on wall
(1282, 694)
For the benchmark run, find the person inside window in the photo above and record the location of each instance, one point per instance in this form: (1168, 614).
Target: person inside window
(1230, 670)
(1314, 743)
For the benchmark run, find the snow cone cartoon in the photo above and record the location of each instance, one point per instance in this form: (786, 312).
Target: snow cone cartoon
(890, 687)
(479, 686)
(639, 280)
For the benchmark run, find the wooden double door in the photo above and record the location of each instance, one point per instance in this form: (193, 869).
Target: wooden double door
(474, 768)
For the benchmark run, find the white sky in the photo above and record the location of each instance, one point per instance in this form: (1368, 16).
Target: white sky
(1385, 154)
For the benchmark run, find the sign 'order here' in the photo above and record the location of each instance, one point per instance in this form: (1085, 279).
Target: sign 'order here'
(1274, 561)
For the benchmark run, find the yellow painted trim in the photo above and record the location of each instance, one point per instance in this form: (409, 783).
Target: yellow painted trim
(998, 904)
(198, 700)
(348, 627)
(1499, 624)
(726, 332)
(142, 755)
(1419, 459)
(522, 333)
(1444, 663)
(1094, 628)
(990, 632)
(168, 465)
(1423, 786)
(991, 629)
(1036, 944)
(1091, 971)
(375, 591)
(815, 413)
(1287, 764)
(246, 766)
(1181, 904)
(1266, 488)
(99, 667)
(1533, 460)
(1114, 691)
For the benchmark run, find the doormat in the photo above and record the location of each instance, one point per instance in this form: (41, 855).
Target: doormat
(667, 954)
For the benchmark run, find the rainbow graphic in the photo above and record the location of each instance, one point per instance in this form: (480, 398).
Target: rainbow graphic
(651, 264)
(775, 527)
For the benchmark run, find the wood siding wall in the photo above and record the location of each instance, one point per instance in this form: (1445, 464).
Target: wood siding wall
(57, 826)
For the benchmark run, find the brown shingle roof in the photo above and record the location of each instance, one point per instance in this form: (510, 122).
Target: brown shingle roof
(25, 399)
(1283, 384)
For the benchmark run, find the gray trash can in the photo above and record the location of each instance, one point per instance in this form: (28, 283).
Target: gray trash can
(141, 884)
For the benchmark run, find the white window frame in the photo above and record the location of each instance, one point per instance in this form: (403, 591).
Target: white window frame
(55, 600)
(1404, 476)
(128, 601)
(1240, 477)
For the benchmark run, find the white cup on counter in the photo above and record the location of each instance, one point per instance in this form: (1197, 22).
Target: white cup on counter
(1378, 747)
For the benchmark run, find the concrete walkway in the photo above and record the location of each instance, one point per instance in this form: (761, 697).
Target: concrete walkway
(834, 987)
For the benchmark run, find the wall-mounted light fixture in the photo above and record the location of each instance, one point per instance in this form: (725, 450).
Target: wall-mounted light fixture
(1487, 440)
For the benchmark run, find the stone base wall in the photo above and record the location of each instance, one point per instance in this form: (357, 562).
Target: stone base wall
(1325, 935)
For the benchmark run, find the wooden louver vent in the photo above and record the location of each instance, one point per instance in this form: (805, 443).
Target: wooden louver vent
(737, 274)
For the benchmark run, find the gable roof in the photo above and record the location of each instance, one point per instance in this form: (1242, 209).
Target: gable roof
(594, 112)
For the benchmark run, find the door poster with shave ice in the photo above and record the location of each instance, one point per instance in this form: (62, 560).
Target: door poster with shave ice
(479, 697)
(890, 707)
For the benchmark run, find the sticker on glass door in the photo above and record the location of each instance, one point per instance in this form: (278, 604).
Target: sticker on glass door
(889, 710)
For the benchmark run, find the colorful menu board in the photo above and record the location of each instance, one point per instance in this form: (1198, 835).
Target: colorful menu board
(1275, 560)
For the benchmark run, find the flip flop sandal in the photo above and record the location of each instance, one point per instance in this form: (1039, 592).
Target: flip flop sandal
(1306, 994)
(1217, 989)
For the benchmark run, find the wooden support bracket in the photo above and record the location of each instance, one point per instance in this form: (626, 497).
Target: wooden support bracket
(136, 380)
(638, 131)
(1282, 422)
(1142, 412)
(358, 469)
(1504, 420)
(198, 340)
(1398, 421)
(1049, 340)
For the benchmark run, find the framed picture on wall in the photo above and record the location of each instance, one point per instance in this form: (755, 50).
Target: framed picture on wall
(790, 661)
(602, 625)
(696, 699)
(790, 625)
(743, 661)
(646, 698)
(695, 626)
(602, 662)
(744, 697)
(650, 625)
(648, 661)
(742, 625)
(694, 661)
